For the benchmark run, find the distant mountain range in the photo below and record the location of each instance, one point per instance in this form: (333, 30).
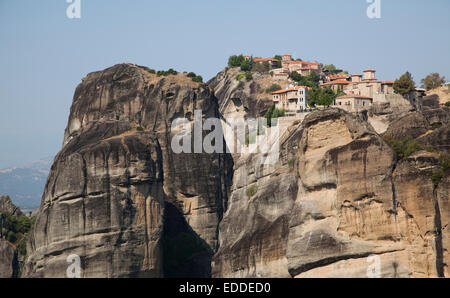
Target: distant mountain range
(25, 183)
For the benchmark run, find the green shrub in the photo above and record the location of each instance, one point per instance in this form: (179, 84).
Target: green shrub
(111, 104)
(198, 79)
(404, 148)
(247, 65)
(166, 73)
(191, 75)
(447, 104)
(445, 161)
(152, 71)
(273, 88)
(139, 128)
(240, 76)
(291, 163)
(11, 237)
(437, 177)
(252, 190)
(436, 126)
(248, 76)
(236, 60)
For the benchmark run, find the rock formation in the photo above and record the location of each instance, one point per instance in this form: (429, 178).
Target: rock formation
(8, 260)
(338, 197)
(117, 196)
(338, 200)
(7, 207)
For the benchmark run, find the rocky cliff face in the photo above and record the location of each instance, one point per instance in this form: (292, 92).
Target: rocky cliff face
(117, 195)
(8, 260)
(336, 197)
(7, 207)
(8, 253)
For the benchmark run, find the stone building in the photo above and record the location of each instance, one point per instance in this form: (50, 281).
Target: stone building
(369, 86)
(302, 67)
(294, 99)
(353, 103)
(337, 85)
(272, 62)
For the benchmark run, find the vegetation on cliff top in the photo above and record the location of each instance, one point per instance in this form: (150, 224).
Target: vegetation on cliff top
(433, 80)
(405, 84)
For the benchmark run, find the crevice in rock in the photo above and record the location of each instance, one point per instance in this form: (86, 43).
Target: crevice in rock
(438, 237)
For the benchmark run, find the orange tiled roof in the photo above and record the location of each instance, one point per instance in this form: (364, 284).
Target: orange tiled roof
(264, 59)
(290, 89)
(387, 83)
(338, 82)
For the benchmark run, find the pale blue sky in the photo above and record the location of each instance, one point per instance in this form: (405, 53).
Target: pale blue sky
(44, 55)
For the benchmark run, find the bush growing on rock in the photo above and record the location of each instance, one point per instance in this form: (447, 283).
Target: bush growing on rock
(252, 190)
(248, 76)
(198, 79)
(166, 73)
(273, 88)
(236, 60)
(111, 104)
(404, 148)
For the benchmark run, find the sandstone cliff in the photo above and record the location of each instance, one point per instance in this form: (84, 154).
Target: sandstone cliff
(339, 194)
(117, 196)
(336, 197)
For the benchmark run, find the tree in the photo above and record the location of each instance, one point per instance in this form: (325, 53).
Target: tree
(322, 96)
(332, 69)
(278, 57)
(236, 60)
(432, 81)
(296, 76)
(247, 65)
(404, 85)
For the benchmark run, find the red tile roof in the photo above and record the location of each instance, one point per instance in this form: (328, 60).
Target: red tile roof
(264, 59)
(387, 83)
(337, 82)
(290, 89)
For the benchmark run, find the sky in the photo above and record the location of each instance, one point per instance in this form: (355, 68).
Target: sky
(44, 54)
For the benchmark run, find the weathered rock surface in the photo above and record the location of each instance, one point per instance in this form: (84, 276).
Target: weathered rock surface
(242, 98)
(8, 260)
(7, 207)
(117, 195)
(335, 203)
(336, 197)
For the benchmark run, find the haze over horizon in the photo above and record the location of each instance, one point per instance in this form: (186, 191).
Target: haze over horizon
(44, 55)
